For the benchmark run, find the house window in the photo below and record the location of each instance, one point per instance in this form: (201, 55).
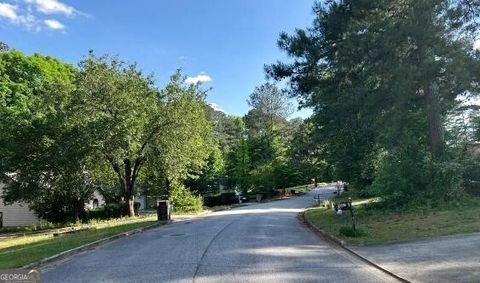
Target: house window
(95, 203)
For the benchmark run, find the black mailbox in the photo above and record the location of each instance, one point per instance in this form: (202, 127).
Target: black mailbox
(343, 206)
(340, 207)
(163, 210)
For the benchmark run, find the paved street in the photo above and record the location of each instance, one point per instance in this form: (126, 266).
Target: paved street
(255, 243)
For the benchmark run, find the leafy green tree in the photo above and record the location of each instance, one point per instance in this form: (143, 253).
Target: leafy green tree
(42, 159)
(238, 166)
(186, 144)
(370, 69)
(305, 156)
(266, 126)
(209, 178)
(123, 113)
(227, 133)
(134, 125)
(265, 122)
(272, 172)
(4, 47)
(270, 108)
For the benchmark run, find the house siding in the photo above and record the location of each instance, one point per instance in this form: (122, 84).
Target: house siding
(19, 214)
(16, 214)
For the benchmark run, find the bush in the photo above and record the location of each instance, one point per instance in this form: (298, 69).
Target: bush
(111, 210)
(279, 193)
(228, 198)
(115, 210)
(348, 231)
(446, 180)
(59, 207)
(136, 207)
(471, 177)
(409, 175)
(183, 200)
(221, 199)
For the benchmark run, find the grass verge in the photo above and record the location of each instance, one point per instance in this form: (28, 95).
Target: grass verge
(383, 226)
(19, 251)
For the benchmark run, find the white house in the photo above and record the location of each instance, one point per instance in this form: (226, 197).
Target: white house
(16, 214)
(19, 214)
(95, 201)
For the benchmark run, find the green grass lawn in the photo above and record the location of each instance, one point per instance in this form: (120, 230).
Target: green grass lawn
(394, 226)
(19, 251)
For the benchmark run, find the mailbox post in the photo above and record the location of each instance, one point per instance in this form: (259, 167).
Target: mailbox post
(351, 213)
(340, 207)
(163, 210)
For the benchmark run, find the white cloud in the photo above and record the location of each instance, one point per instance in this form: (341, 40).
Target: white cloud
(29, 21)
(8, 11)
(30, 14)
(52, 7)
(476, 45)
(216, 107)
(12, 14)
(200, 78)
(54, 24)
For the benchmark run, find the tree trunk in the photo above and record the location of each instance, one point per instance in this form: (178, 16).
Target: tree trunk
(127, 179)
(131, 207)
(434, 119)
(168, 185)
(129, 198)
(78, 209)
(76, 213)
(129, 195)
(129, 187)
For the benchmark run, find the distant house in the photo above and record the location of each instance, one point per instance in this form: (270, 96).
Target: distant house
(95, 201)
(143, 202)
(19, 214)
(147, 202)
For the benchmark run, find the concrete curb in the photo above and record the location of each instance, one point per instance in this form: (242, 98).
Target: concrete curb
(88, 246)
(341, 244)
(322, 233)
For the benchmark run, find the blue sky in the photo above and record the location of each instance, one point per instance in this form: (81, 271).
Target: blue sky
(222, 42)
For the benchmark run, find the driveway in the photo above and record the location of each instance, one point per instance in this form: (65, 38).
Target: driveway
(256, 243)
(444, 259)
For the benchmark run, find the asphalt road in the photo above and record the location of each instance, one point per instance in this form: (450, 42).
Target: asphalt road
(255, 243)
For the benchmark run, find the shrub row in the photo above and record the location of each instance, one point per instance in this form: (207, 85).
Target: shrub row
(220, 199)
(111, 210)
